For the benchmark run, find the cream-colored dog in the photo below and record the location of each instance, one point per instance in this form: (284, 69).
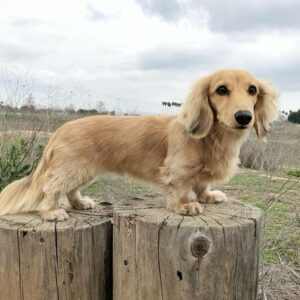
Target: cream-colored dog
(183, 154)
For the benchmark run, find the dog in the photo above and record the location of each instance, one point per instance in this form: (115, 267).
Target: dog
(184, 154)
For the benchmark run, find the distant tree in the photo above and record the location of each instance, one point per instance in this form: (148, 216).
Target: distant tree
(294, 116)
(92, 111)
(87, 112)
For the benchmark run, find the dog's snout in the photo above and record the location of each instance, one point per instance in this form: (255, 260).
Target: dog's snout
(243, 117)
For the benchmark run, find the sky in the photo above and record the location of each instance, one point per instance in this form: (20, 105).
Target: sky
(134, 54)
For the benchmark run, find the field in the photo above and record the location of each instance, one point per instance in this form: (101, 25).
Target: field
(263, 181)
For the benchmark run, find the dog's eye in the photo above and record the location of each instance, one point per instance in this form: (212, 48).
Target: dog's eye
(222, 90)
(252, 90)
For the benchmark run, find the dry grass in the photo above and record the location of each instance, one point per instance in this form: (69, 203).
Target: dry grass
(47, 122)
(281, 152)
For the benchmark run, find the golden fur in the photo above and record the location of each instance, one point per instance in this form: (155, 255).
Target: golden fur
(183, 154)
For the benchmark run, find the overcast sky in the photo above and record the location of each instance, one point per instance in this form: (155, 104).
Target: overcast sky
(139, 53)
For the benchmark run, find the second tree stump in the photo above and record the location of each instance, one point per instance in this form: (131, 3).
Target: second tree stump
(161, 255)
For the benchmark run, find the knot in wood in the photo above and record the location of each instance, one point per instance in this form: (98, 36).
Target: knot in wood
(199, 245)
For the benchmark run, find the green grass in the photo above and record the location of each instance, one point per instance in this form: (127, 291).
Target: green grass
(281, 237)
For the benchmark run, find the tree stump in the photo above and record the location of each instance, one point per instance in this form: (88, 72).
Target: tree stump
(161, 255)
(63, 260)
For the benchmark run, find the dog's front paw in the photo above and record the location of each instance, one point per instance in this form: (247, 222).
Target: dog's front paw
(212, 197)
(54, 215)
(84, 203)
(189, 209)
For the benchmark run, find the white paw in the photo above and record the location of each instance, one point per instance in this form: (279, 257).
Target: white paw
(84, 203)
(213, 197)
(218, 196)
(55, 215)
(189, 209)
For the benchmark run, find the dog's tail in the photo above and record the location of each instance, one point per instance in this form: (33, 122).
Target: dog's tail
(24, 195)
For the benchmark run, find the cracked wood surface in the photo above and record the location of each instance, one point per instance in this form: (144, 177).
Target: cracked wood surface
(49, 260)
(153, 258)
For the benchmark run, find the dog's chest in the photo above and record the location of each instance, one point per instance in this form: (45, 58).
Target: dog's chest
(218, 165)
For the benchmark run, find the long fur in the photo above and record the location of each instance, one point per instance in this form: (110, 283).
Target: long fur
(183, 154)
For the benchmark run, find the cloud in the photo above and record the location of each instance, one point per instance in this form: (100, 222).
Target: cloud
(27, 22)
(168, 10)
(94, 14)
(284, 75)
(234, 16)
(228, 16)
(167, 58)
(14, 53)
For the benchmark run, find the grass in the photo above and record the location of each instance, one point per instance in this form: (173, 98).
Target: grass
(281, 212)
(33, 121)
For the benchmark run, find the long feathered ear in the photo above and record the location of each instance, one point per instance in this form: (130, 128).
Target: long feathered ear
(196, 114)
(265, 110)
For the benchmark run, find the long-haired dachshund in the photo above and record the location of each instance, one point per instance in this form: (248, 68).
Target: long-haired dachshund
(185, 154)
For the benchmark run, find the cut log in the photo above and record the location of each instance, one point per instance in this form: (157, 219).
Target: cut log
(160, 255)
(64, 260)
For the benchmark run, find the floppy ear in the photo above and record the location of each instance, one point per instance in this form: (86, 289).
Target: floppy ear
(196, 114)
(265, 110)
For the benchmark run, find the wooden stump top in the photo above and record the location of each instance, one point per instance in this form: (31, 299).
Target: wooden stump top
(229, 214)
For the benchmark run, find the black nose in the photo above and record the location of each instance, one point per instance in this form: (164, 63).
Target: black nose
(243, 117)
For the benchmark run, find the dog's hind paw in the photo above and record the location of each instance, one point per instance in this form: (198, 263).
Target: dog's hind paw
(189, 209)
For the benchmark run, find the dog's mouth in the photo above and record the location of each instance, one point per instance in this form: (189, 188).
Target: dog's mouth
(239, 127)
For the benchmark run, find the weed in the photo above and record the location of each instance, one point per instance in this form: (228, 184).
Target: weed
(18, 158)
(295, 173)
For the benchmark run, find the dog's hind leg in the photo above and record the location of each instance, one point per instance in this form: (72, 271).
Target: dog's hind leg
(78, 201)
(49, 210)
(60, 183)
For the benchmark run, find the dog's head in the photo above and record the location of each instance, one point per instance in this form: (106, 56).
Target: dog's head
(234, 99)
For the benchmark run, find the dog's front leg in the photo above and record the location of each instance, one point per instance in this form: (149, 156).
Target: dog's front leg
(205, 195)
(183, 200)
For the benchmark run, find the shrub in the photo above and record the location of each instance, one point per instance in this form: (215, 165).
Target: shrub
(18, 158)
(295, 173)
